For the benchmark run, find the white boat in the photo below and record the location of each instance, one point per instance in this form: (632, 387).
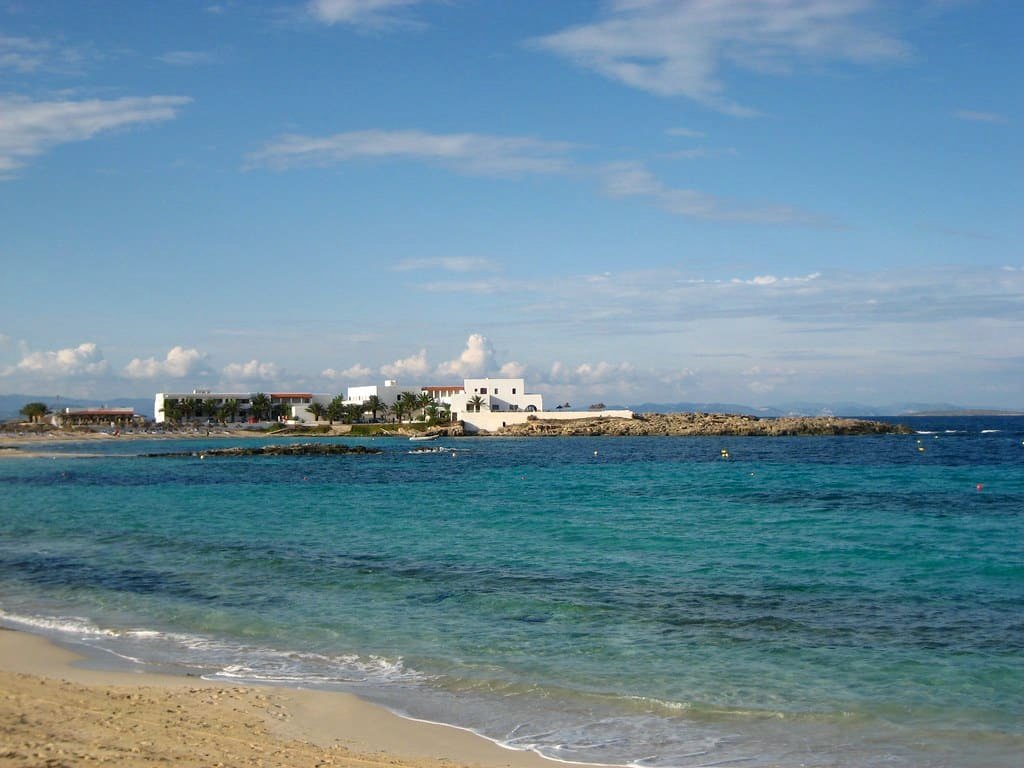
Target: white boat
(423, 438)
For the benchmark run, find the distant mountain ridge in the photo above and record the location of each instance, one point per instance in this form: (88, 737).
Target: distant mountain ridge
(845, 409)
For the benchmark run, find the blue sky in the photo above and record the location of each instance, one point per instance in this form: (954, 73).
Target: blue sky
(753, 201)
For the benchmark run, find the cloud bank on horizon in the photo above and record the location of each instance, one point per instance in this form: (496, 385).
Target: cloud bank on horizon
(629, 200)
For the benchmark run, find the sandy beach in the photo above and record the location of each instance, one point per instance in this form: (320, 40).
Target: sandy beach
(55, 712)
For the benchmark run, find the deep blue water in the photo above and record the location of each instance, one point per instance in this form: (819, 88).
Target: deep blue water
(846, 601)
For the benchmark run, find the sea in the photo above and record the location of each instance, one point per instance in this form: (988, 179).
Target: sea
(657, 601)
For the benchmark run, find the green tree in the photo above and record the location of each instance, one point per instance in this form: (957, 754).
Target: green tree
(352, 413)
(423, 401)
(317, 410)
(374, 405)
(409, 401)
(432, 412)
(171, 410)
(336, 409)
(34, 412)
(211, 408)
(475, 403)
(231, 409)
(260, 406)
(189, 408)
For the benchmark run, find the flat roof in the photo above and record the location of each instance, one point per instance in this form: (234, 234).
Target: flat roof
(98, 411)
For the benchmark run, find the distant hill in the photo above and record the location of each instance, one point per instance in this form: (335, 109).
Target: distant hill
(10, 405)
(847, 409)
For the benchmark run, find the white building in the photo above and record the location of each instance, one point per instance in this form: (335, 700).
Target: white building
(505, 401)
(494, 396)
(387, 393)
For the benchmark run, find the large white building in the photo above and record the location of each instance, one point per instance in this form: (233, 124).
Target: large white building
(494, 396)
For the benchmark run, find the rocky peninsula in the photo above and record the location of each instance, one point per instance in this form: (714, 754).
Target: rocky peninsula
(702, 424)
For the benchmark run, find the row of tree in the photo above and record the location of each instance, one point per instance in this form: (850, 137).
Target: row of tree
(408, 406)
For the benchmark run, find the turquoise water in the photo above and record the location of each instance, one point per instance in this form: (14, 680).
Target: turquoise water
(809, 601)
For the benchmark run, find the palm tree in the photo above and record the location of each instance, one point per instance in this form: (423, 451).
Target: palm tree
(398, 409)
(431, 412)
(231, 409)
(171, 410)
(335, 409)
(317, 410)
(353, 412)
(211, 408)
(34, 411)
(260, 407)
(374, 404)
(475, 403)
(409, 401)
(423, 401)
(189, 408)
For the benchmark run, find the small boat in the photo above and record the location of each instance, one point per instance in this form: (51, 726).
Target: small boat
(423, 438)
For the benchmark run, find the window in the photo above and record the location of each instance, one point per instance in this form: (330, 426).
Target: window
(495, 390)
(513, 390)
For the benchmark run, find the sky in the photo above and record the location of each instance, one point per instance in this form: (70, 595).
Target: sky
(625, 201)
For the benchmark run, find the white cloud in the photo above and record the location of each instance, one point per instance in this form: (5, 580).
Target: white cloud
(28, 56)
(179, 363)
(84, 360)
(699, 153)
(29, 128)
(356, 372)
(472, 153)
(512, 370)
(372, 13)
(773, 280)
(253, 370)
(624, 180)
(478, 287)
(476, 359)
(186, 58)
(414, 366)
(681, 47)
(979, 117)
(447, 264)
(685, 133)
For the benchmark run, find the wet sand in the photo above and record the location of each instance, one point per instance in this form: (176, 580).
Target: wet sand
(55, 712)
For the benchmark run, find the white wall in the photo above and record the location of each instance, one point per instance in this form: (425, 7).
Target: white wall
(490, 422)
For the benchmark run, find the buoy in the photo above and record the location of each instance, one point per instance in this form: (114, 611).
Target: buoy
(595, 453)
(725, 454)
(979, 486)
(920, 448)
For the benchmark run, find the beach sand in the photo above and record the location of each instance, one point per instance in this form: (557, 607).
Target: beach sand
(54, 712)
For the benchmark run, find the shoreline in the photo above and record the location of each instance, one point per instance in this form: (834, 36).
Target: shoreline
(54, 708)
(642, 425)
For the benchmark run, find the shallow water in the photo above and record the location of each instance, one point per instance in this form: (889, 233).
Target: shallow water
(848, 601)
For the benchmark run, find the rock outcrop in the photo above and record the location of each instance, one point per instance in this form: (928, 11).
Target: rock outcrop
(302, 449)
(697, 424)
